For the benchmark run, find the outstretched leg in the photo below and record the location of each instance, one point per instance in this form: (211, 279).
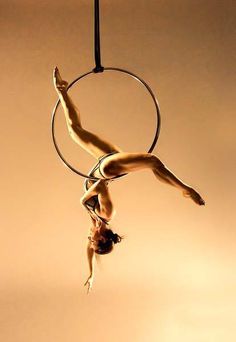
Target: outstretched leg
(87, 140)
(129, 162)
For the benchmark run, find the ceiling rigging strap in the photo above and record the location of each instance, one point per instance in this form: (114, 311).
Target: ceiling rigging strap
(97, 53)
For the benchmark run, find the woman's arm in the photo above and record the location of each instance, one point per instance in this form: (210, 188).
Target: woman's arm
(91, 257)
(95, 189)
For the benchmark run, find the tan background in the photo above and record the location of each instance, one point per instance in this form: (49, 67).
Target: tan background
(173, 277)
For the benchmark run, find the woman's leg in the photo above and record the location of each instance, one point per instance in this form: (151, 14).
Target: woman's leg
(120, 163)
(87, 140)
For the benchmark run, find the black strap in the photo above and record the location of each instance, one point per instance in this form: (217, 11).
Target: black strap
(97, 53)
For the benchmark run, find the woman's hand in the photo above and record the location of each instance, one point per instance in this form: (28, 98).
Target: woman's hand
(89, 283)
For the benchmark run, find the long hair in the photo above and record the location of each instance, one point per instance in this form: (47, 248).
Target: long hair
(105, 247)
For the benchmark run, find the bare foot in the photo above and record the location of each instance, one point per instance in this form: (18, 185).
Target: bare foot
(194, 196)
(59, 84)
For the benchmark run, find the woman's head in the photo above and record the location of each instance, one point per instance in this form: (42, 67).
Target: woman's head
(106, 242)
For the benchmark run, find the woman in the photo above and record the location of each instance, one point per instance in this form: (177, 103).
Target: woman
(112, 161)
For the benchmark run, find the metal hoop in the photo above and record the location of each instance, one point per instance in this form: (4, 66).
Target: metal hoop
(158, 118)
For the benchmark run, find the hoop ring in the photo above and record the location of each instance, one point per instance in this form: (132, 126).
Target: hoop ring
(158, 118)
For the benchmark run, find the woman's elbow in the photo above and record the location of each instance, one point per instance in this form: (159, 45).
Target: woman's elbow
(82, 201)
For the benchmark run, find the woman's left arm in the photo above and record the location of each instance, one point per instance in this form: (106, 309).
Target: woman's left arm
(91, 257)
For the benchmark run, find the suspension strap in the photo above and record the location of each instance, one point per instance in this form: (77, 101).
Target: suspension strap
(97, 53)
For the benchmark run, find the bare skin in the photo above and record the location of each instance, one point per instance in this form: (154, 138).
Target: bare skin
(111, 166)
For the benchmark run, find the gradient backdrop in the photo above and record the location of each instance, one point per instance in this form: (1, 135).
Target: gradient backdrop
(172, 279)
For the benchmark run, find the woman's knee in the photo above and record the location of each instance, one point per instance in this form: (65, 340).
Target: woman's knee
(156, 162)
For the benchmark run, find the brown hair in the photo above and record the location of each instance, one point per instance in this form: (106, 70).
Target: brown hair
(105, 247)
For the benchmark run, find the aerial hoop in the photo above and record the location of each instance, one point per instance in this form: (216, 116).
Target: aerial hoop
(158, 117)
(98, 69)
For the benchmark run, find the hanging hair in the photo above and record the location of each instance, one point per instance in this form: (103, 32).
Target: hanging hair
(105, 247)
